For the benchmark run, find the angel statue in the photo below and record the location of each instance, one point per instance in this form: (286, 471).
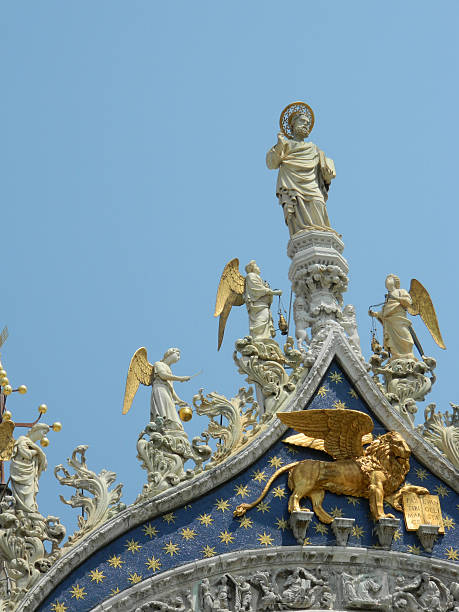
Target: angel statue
(305, 173)
(399, 336)
(235, 290)
(160, 378)
(363, 466)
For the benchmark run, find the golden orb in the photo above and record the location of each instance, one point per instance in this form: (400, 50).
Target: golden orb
(22, 389)
(2, 373)
(44, 442)
(56, 426)
(185, 413)
(7, 389)
(4, 381)
(7, 415)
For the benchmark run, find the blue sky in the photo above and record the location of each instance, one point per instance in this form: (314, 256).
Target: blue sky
(134, 136)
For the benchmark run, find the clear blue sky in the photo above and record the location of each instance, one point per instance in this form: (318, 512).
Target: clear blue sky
(134, 136)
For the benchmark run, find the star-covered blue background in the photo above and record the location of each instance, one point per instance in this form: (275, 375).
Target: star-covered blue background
(206, 527)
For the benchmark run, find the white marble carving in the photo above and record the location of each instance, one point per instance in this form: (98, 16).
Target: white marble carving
(442, 431)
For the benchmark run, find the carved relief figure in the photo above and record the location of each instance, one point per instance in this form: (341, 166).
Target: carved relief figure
(349, 324)
(159, 376)
(27, 463)
(375, 472)
(305, 173)
(398, 335)
(302, 322)
(235, 290)
(301, 587)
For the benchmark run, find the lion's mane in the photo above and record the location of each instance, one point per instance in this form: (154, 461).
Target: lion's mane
(379, 456)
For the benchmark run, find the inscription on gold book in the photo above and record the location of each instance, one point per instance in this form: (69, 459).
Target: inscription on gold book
(422, 510)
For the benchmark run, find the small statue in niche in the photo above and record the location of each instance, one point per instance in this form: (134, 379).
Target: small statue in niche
(305, 173)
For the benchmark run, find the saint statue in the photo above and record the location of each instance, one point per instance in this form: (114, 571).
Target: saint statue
(305, 173)
(399, 337)
(159, 376)
(28, 461)
(236, 290)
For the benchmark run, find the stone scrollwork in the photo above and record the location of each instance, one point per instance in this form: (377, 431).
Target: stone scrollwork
(404, 381)
(264, 364)
(101, 506)
(442, 431)
(163, 449)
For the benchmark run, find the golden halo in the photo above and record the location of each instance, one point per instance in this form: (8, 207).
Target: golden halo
(290, 111)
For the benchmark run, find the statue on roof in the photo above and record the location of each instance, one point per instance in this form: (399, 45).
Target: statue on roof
(235, 290)
(305, 173)
(399, 337)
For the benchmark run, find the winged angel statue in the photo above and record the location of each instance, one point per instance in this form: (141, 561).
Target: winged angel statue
(235, 290)
(399, 336)
(159, 377)
(376, 472)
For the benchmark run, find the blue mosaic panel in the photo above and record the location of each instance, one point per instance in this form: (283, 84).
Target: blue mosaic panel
(207, 527)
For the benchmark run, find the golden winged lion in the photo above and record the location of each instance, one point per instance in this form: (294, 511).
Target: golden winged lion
(235, 290)
(363, 466)
(399, 337)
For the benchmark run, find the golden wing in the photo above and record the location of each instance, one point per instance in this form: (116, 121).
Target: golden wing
(6, 440)
(140, 371)
(342, 432)
(230, 293)
(318, 443)
(422, 305)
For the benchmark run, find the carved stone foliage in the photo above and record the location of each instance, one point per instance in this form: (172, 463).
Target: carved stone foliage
(99, 504)
(163, 448)
(264, 364)
(442, 431)
(404, 381)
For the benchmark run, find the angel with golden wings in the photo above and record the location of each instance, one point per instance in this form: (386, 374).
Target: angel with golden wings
(399, 336)
(235, 290)
(159, 377)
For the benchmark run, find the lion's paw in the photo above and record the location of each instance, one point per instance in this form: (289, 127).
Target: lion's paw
(241, 510)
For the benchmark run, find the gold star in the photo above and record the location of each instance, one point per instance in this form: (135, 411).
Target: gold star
(242, 490)
(336, 377)
(245, 522)
(322, 392)
(353, 501)
(263, 507)
(340, 405)
(259, 476)
(275, 461)
(306, 542)
(208, 551)
(188, 534)
(226, 537)
(134, 578)
(397, 535)
(169, 517)
(452, 554)
(115, 591)
(265, 539)
(414, 550)
(441, 490)
(449, 522)
(321, 528)
(150, 531)
(336, 512)
(97, 576)
(281, 524)
(279, 492)
(133, 546)
(115, 561)
(153, 564)
(171, 549)
(58, 607)
(357, 531)
(292, 451)
(78, 592)
(353, 394)
(222, 504)
(205, 519)
(421, 474)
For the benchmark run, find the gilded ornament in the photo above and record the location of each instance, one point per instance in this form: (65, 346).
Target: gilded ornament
(4, 381)
(44, 442)
(42, 408)
(22, 389)
(185, 413)
(7, 415)
(56, 426)
(7, 390)
(6, 437)
(376, 472)
(291, 111)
